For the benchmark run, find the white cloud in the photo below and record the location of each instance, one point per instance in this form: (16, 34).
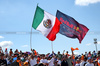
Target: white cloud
(88, 44)
(1, 37)
(6, 44)
(24, 46)
(85, 2)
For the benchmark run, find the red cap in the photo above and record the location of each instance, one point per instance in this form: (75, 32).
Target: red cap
(6, 48)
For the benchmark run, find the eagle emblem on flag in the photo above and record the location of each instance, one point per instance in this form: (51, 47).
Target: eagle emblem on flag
(47, 23)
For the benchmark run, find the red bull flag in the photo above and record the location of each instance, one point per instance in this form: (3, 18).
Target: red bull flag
(70, 27)
(46, 23)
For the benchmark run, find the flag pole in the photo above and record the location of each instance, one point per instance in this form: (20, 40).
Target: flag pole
(31, 35)
(31, 39)
(52, 45)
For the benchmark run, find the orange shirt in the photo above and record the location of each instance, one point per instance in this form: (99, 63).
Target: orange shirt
(35, 52)
(98, 63)
(73, 57)
(82, 58)
(67, 54)
(38, 60)
(19, 62)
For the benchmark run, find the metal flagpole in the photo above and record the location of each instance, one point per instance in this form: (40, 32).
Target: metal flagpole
(52, 45)
(31, 39)
(31, 34)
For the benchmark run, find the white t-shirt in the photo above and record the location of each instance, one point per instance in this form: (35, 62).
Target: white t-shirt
(6, 52)
(77, 64)
(82, 63)
(99, 61)
(43, 61)
(33, 62)
(89, 64)
(59, 62)
(51, 62)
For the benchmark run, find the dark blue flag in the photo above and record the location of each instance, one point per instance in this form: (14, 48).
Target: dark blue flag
(70, 27)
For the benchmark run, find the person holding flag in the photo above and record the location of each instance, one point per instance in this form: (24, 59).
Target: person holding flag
(73, 57)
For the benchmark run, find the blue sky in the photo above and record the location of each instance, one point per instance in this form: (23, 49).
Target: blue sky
(16, 18)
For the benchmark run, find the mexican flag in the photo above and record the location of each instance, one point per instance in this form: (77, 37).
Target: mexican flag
(46, 23)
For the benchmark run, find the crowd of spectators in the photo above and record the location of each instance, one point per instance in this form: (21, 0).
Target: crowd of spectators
(33, 58)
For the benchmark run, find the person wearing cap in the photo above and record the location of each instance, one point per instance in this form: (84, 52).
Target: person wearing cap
(89, 63)
(6, 52)
(3, 62)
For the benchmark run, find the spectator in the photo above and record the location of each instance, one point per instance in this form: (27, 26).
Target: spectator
(26, 63)
(3, 62)
(47, 55)
(53, 54)
(10, 61)
(58, 62)
(32, 60)
(44, 61)
(89, 63)
(77, 62)
(19, 61)
(38, 59)
(86, 54)
(94, 53)
(67, 53)
(1, 51)
(6, 52)
(89, 54)
(17, 52)
(26, 59)
(50, 61)
(98, 60)
(83, 62)
(59, 55)
(34, 52)
(10, 52)
(64, 62)
(82, 57)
